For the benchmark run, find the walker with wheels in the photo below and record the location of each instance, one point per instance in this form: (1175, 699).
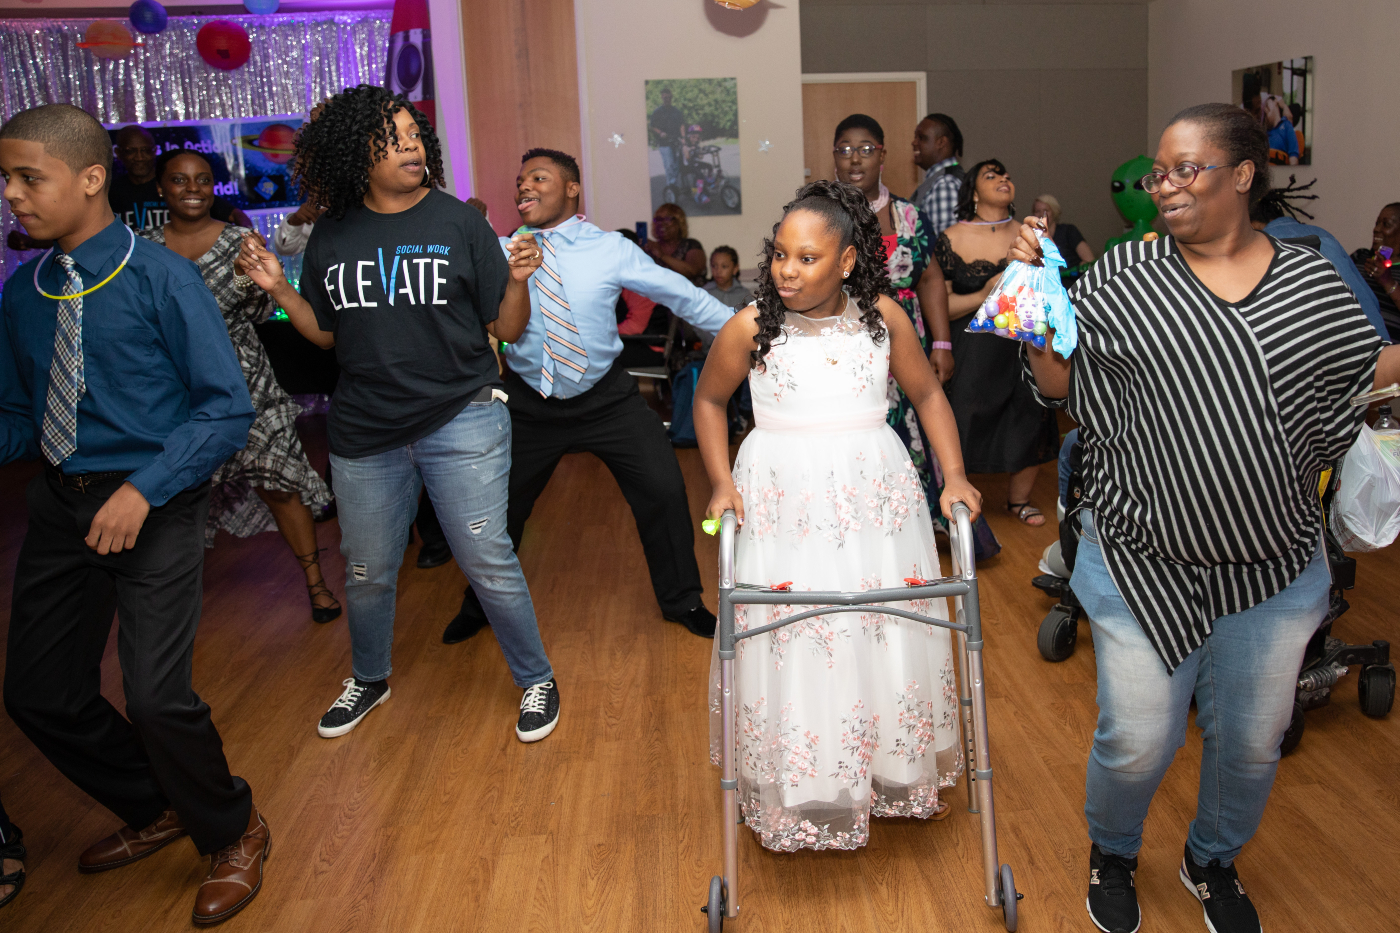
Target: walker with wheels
(723, 901)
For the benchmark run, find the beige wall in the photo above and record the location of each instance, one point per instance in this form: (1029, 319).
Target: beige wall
(1057, 91)
(623, 43)
(1194, 45)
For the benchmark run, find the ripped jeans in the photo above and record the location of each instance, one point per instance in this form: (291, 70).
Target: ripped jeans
(465, 465)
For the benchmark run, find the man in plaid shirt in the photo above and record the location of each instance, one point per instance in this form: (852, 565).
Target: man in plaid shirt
(937, 145)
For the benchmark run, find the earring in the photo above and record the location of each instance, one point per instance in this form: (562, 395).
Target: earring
(845, 275)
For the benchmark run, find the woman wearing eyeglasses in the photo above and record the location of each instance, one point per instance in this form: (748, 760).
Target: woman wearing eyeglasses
(1211, 383)
(859, 153)
(1002, 428)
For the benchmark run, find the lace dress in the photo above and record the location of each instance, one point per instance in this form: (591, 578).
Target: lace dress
(273, 457)
(845, 716)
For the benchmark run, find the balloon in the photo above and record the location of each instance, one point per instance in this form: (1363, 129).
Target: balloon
(261, 7)
(737, 4)
(1132, 202)
(224, 45)
(107, 38)
(147, 16)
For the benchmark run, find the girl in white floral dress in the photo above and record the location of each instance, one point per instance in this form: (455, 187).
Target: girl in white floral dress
(847, 715)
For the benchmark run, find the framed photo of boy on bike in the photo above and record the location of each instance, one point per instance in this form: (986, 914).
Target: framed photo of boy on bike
(693, 145)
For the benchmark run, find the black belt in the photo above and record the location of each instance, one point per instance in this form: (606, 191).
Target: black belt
(84, 482)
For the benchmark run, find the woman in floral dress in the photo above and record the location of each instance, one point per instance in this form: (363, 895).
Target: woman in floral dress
(845, 716)
(269, 483)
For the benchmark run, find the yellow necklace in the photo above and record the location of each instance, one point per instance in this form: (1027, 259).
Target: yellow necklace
(86, 291)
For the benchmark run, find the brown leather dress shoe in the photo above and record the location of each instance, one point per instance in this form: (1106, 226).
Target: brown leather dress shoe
(235, 874)
(126, 845)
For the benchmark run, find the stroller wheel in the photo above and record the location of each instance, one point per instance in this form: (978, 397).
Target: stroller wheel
(714, 907)
(1376, 689)
(1058, 635)
(1294, 733)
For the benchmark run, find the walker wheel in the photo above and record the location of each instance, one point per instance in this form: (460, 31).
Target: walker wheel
(1376, 689)
(1009, 897)
(1058, 635)
(714, 907)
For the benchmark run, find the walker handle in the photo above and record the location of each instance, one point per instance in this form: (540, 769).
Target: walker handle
(728, 524)
(960, 538)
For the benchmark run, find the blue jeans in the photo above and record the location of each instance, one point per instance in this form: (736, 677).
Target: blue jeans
(1063, 466)
(669, 161)
(466, 466)
(1243, 678)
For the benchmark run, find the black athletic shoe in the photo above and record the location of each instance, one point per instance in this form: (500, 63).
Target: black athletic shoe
(539, 712)
(354, 704)
(699, 620)
(1112, 899)
(469, 620)
(1227, 908)
(433, 554)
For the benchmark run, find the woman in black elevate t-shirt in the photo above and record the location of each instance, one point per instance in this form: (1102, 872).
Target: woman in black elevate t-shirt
(1212, 383)
(409, 284)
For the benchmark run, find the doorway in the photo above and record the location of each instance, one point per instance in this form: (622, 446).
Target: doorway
(896, 99)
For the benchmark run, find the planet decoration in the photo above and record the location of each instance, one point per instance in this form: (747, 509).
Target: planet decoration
(276, 143)
(261, 7)
(147, 17)
(737, 4)
(107, 38)
(223, 45)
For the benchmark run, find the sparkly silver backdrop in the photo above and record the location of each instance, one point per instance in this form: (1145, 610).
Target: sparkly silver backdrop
(297, 60)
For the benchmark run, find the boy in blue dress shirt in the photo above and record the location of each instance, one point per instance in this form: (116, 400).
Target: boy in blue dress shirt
(116, 368)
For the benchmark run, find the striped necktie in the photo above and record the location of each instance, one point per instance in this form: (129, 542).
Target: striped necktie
(59, 437)
(563, 348)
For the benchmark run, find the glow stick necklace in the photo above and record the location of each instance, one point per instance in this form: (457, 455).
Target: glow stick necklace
(86, 291)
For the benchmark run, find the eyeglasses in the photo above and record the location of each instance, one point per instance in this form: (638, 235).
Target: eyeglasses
(845, 152)
(1181, 177)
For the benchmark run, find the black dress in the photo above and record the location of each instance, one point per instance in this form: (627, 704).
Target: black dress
(1002, 427)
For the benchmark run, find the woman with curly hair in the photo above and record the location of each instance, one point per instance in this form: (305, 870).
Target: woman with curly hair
(406, 283)
(844, 716)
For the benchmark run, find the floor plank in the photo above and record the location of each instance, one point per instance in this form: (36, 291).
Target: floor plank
(431, 816)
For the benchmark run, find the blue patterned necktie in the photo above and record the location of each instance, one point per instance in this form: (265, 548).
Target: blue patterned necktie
(66, 385)
(563, 348)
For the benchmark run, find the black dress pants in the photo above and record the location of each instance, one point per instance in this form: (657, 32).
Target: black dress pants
(611, 421)
(167, 753)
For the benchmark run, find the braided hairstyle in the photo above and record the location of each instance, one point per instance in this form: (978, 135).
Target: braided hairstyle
(847, 213)
(1279, 202)
(1239, 135)
(336, 150)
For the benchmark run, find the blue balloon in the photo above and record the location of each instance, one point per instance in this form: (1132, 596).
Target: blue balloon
(261, 7)
(147, 16)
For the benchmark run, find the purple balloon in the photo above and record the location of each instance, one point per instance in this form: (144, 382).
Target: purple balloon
(261, 7)
(147, 17)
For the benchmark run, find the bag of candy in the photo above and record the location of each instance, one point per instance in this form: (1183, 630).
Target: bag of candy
(1028, 302)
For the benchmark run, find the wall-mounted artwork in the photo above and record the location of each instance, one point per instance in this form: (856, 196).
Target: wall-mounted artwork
(693, 145)
(1280, 95)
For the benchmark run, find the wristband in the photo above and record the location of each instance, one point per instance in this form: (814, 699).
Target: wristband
(940, 345)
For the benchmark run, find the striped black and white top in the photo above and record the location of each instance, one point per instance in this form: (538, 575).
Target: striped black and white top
(1206, 425)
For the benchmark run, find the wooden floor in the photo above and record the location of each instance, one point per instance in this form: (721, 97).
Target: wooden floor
(431, 816)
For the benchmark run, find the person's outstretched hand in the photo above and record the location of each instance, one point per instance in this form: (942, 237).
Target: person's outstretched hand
(958, 489)
(259, 263)
(1026, 247)
(726, 498)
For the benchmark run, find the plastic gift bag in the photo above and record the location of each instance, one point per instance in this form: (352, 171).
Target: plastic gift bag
(1366, 509)
(1028, 302)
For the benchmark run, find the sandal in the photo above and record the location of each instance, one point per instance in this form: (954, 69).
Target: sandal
(320, 614)
(942, 811)
(1024, 512)
(14, 849)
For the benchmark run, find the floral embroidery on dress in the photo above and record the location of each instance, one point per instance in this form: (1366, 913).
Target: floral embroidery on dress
(916, 721)
(859, 743)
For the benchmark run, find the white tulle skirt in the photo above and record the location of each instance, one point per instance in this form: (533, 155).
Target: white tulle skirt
(852, 714)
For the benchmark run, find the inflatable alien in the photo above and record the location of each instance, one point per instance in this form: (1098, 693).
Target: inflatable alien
(1132, 202)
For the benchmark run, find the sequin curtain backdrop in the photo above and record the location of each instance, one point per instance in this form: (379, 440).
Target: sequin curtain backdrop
(297, 61)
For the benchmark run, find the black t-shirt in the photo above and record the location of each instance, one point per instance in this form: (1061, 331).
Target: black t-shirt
(669, 120)
(408, 297)
(1067, 239)
(140, 206)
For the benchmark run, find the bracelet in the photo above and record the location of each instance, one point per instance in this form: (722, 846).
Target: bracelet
(940, 345)
(243, 281)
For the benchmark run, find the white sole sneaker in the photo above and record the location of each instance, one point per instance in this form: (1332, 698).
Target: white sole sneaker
(535, 735)
(336, 731)
(1190, 886)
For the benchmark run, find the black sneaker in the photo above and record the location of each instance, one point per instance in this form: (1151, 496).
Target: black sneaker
(469, 620)
(354, 704)
(1227, 908)
(699, 620)
(539, 712)
(433, 554)
(1112, 899)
